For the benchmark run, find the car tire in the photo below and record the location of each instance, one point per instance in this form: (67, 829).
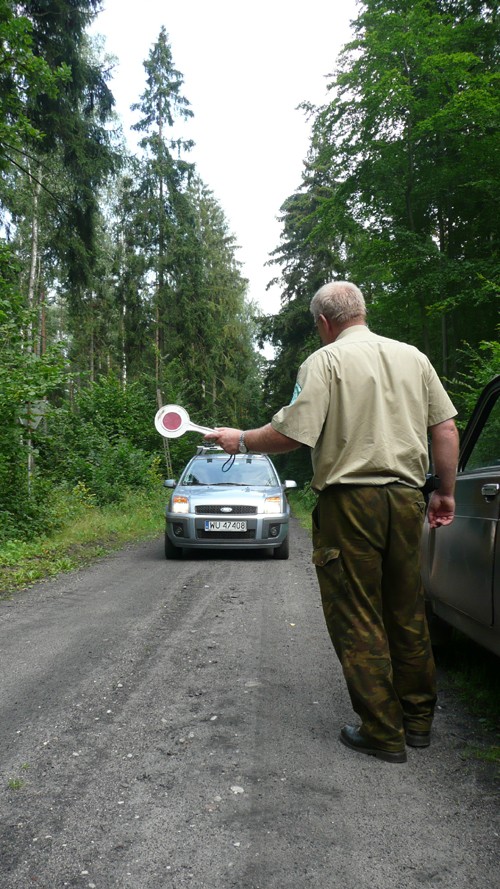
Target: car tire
(283, 550)
(171, 551)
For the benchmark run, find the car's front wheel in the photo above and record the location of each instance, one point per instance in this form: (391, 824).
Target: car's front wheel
(283, 550)
(171, 551)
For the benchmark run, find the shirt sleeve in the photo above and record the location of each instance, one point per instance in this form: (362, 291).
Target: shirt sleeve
(441, 407)
(304, 417)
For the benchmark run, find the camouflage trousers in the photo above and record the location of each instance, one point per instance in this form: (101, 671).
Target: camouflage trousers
(366, 543)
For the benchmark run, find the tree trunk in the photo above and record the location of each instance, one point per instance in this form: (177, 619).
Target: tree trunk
(43, 327)
(37, 186)
(92, 356)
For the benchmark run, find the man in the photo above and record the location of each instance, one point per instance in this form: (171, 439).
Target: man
(365, 405)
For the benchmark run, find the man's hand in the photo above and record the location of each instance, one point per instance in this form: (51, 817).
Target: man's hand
(228, 439)
(441, 510)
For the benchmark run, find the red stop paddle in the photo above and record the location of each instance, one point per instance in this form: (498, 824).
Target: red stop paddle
(172, 421)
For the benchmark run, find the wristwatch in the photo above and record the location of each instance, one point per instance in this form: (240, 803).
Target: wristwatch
(242, 448)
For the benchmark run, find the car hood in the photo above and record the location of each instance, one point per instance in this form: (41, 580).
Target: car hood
(227, 494)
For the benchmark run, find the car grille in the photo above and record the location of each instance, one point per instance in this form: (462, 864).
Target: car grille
(201, 534)
(215, 509)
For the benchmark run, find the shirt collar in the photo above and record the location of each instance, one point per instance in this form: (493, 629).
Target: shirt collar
(356, 330)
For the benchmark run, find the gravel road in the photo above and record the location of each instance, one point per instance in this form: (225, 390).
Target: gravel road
(175, 724)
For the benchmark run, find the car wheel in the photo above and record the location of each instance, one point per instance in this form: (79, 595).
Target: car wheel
(171, 551)
(283, 550)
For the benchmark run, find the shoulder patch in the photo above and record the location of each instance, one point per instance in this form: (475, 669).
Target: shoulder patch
(296, 392)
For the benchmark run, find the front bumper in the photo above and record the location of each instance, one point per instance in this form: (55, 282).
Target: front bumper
(262, 531)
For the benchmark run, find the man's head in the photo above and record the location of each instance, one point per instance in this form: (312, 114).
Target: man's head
(335, 306)
(340, 302)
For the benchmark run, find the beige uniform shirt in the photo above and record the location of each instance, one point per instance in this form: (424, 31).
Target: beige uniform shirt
(364, 404)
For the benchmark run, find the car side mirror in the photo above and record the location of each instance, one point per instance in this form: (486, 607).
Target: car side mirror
(169, 483)
(288, 485)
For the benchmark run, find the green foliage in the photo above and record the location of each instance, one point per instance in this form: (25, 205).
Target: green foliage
(303, 502)
(57, 150)
(119, 411)
(22, 71)
(73, 123)
(105, 441)
(482, 366)
(83, 533)
(25, 378)
(145, 293)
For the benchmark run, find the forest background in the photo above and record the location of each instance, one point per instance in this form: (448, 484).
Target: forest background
(120, 287)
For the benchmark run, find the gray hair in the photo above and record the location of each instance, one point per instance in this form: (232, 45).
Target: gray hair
(339, 301)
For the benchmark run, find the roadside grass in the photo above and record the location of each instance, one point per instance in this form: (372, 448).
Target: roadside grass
(302, 503)
(15, 783)
(489, 754)
(472, 672)
(18, 783)
(86, 533)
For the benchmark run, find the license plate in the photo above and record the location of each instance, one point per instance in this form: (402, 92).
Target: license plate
(225, 525)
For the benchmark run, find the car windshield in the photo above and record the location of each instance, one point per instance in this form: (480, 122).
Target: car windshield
(219, 471)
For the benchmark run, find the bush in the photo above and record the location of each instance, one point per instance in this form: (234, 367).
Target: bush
(35, 513)
(306, 497)
(482, 367)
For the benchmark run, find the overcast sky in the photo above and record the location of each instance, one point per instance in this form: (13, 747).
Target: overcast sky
(246, 67)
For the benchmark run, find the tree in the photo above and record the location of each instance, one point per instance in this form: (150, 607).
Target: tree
(164, 213)
(73, 121)
(54, 155)
(133, 291)
(224, 355)
(22, 72)
(52, 181)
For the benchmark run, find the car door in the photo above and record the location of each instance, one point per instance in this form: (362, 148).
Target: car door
(461, 561)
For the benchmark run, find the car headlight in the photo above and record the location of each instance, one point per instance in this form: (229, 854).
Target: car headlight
(272, 505)
(180, 504)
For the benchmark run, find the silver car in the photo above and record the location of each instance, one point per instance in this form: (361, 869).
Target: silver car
(226, 503)
(461, 562)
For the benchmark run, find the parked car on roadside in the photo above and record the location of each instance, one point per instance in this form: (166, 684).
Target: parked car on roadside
(461, 562)
(225, 503)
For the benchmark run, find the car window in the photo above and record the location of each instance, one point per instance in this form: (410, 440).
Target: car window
(209, 471)
(245, 473)
(486, 450)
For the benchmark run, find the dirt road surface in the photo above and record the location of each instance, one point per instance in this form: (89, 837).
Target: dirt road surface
(175, 724)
